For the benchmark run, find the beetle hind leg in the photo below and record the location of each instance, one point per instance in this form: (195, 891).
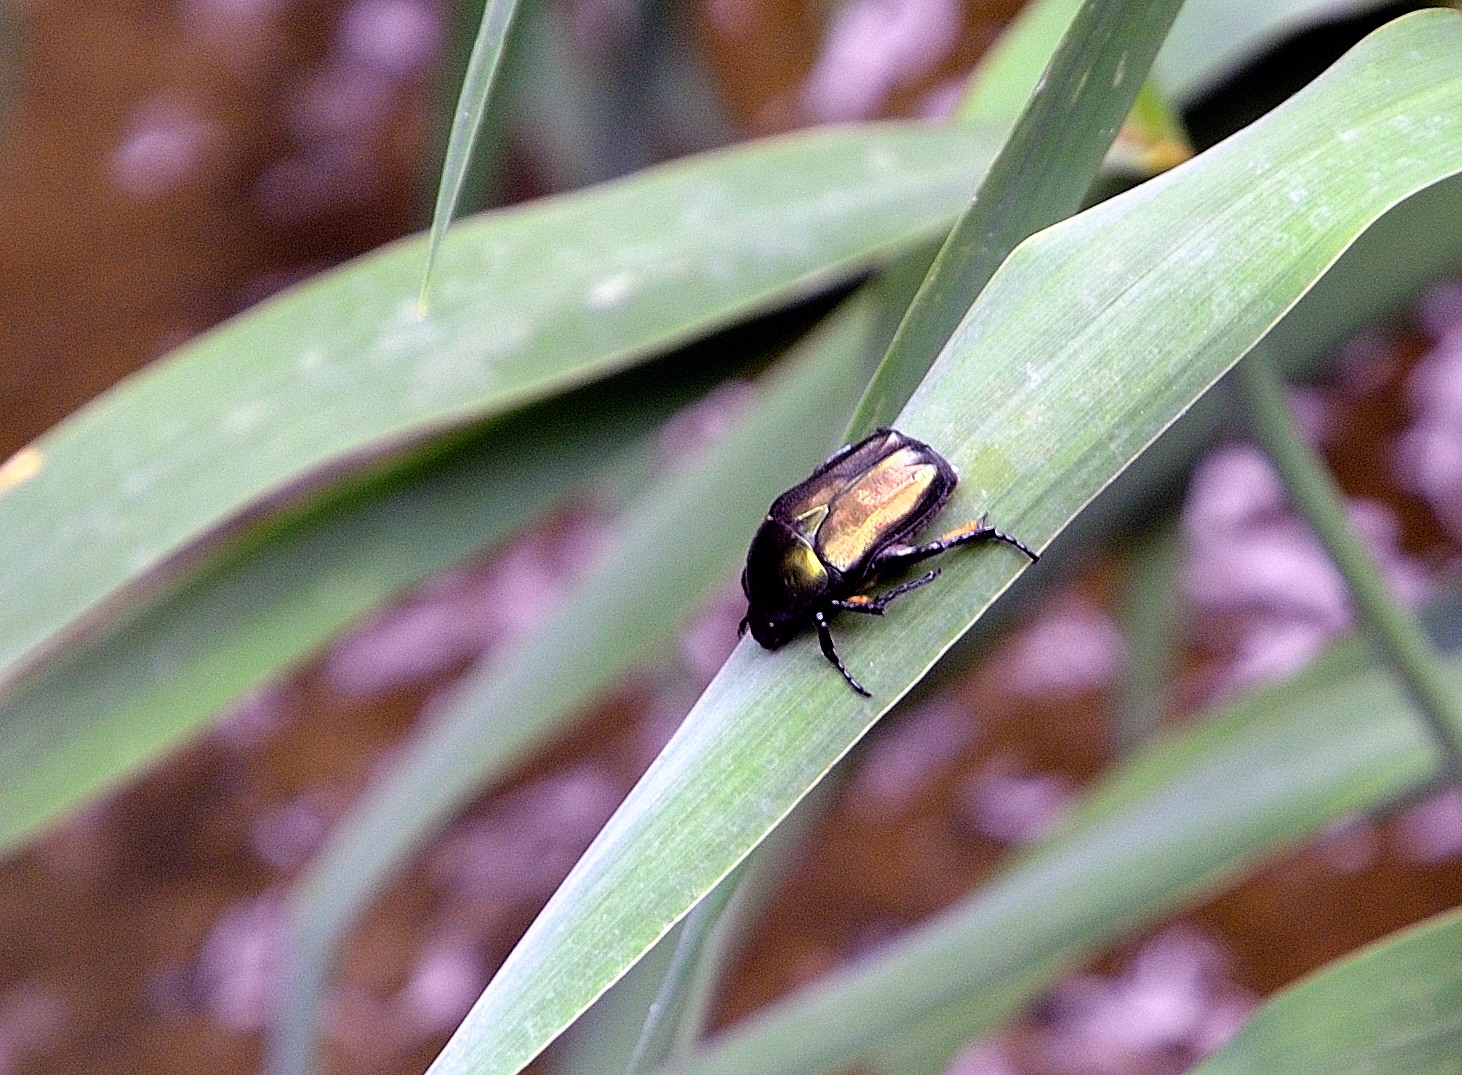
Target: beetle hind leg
(873, 606)
(979, 530)
(825, 639)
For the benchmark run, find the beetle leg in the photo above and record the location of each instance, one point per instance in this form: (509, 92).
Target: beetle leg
(825, 638)
(874, 606)
(979, 530)
(863, 603)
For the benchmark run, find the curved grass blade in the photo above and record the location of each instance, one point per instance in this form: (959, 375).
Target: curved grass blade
(677, 542)
(1039, 177)
(608, 1036)
(531, 301)
(89, 721)
(1394, 1007)
(1091, 340)
(1312, 490)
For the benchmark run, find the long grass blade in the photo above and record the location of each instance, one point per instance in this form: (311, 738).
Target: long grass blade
(1090, 341)
(532, 302)
(1394, 1007)
(477, 80)
(1038, 178)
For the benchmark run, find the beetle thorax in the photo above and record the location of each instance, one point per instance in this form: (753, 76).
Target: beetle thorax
(784, 581)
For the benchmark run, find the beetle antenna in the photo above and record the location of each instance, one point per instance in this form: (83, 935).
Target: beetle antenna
(825, 639)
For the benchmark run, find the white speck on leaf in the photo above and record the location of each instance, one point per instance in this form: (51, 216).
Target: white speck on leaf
(880, 161)
(612, 290)
(244, 418)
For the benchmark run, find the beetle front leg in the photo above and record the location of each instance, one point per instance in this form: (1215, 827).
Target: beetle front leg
(874, 606)
(979, 530)
(825, 639)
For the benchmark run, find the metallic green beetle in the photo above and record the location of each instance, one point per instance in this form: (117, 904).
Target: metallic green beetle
(846, 527)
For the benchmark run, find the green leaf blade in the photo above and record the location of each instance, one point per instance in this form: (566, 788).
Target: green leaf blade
(1039, 177)
(1255, 776)
(1092, 339)
(86, 722)
(677, 541)
(1395, 1007)
(530, 302)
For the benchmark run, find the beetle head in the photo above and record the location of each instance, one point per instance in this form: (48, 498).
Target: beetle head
(783, 582)
(771, 632)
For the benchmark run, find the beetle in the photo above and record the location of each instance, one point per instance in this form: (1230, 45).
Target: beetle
(827, 540)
